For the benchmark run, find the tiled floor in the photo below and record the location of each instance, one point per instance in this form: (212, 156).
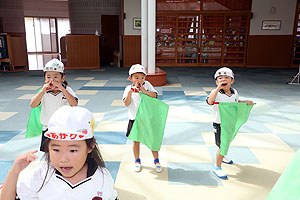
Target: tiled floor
(261, 151)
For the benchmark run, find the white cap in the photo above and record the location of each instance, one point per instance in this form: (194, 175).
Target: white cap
(71, 123)
(224, 71)
(54, 65)
(137, 68)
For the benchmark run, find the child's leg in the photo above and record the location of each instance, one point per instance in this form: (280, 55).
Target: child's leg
(219, 159)
(158, 167)
(136, 150)
(155, 154)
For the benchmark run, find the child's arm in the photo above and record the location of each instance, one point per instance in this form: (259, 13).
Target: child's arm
(151, 94)
(212, 97)
(70, 98)
(248, 101)
(127, 100)
(8, 191)
(36, 100)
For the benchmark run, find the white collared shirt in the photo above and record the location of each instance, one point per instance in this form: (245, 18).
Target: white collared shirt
(136, 99)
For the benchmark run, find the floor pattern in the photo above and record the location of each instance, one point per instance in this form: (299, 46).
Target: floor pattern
(261, 151)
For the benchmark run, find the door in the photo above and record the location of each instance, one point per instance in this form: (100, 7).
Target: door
(109, 38)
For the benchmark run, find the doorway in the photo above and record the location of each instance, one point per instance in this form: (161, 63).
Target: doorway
(109, 38)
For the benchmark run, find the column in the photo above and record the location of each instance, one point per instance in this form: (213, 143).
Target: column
(144, 35)
(151, 35)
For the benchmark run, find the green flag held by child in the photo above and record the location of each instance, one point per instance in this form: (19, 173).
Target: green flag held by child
(34, 126)
(233, 115)
(287, 186)
(148, 127)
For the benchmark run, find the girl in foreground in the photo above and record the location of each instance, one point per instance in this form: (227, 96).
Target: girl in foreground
(74, 168)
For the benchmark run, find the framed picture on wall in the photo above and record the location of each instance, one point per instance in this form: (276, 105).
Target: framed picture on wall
(137, 23)
(271, 25)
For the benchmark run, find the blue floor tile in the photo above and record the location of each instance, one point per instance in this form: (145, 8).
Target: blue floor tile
(110, 137)
(113, 168)
(102, 88)
(7, 135)
(190, 131)
(4, 166)
(192, 174)
(239, 154)
(173, 93)
(291, 139)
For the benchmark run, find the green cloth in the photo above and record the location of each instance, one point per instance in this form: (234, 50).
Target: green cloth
(34, 126)
(233, 115)
(287, 186)
(149, 125)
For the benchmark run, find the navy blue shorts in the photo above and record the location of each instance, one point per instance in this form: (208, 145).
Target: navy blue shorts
(217, 130)
(130, 124)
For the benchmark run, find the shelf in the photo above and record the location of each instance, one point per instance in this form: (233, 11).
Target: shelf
(208, 39)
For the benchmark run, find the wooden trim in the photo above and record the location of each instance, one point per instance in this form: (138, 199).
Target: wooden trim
(269, 50)
(131, 50)
(82, 51)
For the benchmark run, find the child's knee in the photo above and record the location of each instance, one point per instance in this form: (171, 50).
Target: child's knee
(136, 143)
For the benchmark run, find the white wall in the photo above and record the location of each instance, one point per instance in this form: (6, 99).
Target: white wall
(132, 9)
(284, 11)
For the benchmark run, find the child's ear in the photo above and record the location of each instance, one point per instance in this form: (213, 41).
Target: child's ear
(129, 77)
(232, 80)
(92, 146)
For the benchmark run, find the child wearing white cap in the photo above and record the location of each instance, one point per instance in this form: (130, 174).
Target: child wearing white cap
(132, 99)
(54, 94)
(223, 93)
(74, 168)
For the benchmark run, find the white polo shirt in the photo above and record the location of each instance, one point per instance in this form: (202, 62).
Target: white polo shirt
(97, 184)
(51, 102)
(136, 98)
(222, 97)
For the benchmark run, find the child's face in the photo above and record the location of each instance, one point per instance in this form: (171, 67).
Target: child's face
(54, 76)
(69, 158)
(137, 79)
(224, 81)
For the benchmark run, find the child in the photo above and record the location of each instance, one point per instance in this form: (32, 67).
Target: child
(74, 168)
(54, 94)
(131, 98)
(223, 93)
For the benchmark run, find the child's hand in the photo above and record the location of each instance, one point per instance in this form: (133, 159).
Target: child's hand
(23, 160)
(249, 102)
(48, 87)
(221, 84)
(57, 86)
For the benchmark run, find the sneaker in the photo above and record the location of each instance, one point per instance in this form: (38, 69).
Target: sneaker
(137, 165)
(158, 167)
(219, 173)
(227, 160)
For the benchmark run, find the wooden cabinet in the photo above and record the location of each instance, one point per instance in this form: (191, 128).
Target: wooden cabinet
(13, 53)
(211, 49)
(166, 40)
(235, 39)
(82, 51)
(202, 39)
(188, 40)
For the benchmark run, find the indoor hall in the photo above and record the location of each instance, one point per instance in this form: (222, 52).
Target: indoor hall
(261, 150)
(99, 40)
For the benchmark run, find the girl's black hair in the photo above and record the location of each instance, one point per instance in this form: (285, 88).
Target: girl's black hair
(65, 83)
(94, 155)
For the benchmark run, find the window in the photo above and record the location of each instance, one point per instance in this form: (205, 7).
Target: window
(43, 39)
